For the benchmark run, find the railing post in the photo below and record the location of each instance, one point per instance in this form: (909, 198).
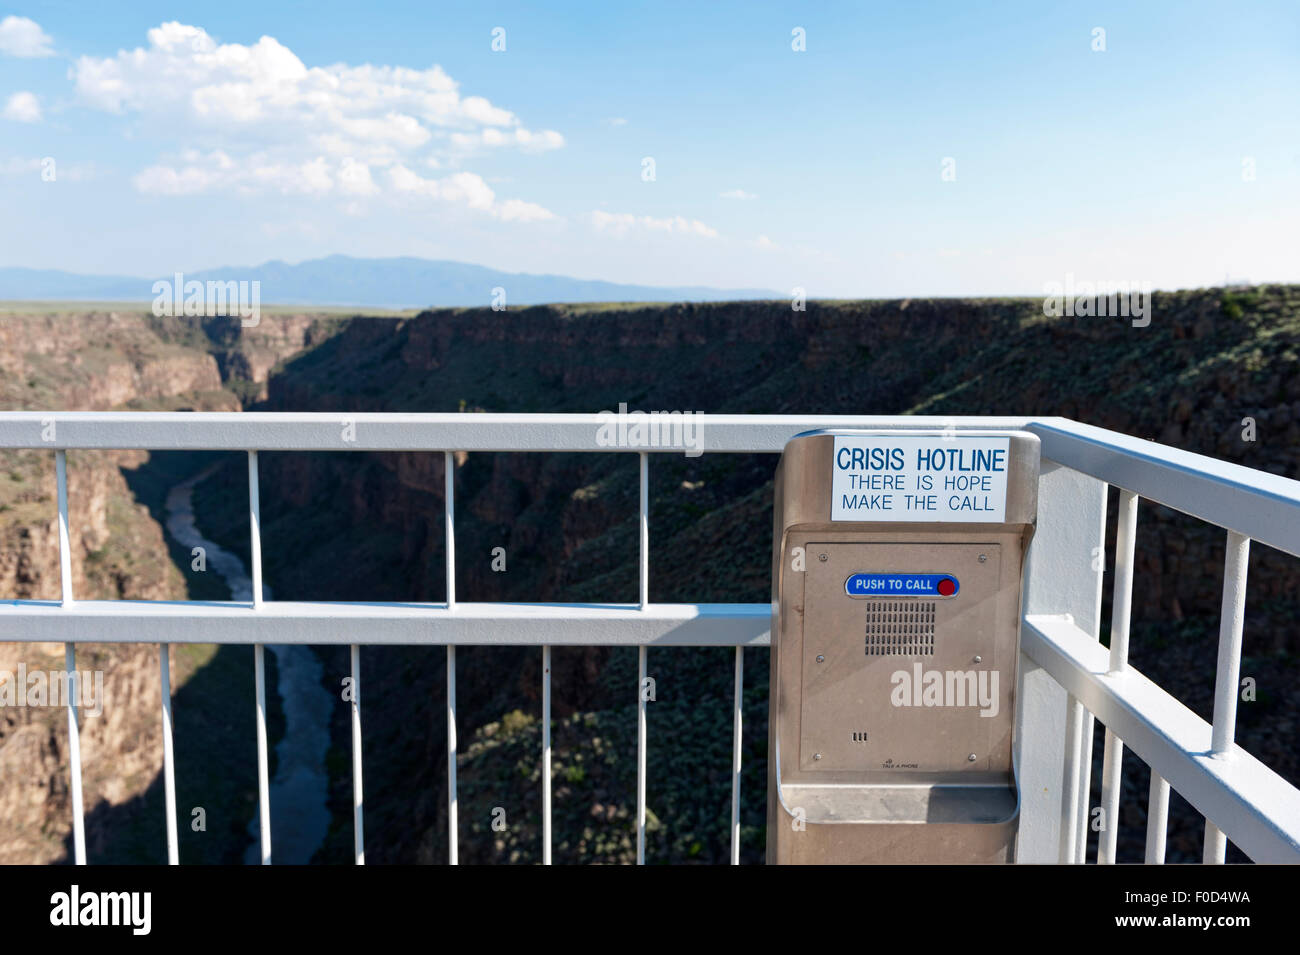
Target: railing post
(1063, 575)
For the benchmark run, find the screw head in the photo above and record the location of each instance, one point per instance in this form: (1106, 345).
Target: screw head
(978, 658)
(823, 557)
(983, 558)
(820, 658)
(972, 757)
(817, 755)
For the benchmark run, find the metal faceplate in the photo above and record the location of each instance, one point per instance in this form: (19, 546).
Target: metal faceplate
(906, 686)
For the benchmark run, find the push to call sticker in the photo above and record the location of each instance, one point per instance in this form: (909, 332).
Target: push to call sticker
(901, 585)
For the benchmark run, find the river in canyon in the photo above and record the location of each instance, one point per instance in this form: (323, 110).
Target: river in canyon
(298, 791)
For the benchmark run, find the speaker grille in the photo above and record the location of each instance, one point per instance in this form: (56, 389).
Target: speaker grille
(900, 628)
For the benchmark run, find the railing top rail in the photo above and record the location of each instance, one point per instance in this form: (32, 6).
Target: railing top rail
(395, 431)
(373, 623)
(1262, 506)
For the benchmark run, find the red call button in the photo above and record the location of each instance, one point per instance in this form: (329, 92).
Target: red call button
(947, 587)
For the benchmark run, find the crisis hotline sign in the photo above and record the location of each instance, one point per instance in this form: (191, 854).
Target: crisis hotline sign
(940, 478)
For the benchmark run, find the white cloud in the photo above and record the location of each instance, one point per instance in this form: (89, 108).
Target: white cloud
(355, 179)
(516, 210)
(763, 242)
(528, 141)
(265, 88)
(20, 36)
(616, 121)
(318, 176)
(167, 181)
(737, 194)
(23, 107)
(468, 189)
(623, 223)
(276, 124)
(312, 178)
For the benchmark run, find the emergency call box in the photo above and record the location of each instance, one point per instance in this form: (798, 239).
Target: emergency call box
(897, 565)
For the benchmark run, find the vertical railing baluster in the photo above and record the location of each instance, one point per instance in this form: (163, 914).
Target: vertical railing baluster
(1121, 615)
(644, 577)
(65, 546)
(640, 754)
(738, 700)
(1122, 597)
(1231, 624)
(1111, 759)
(358, 830)
(1157, 819)
(1070, 784)
(1228, 673)
(74, 756)
(70, 664)
(1085, 786)
(169, 757)
(449, 524)
(255, 530)
(546, 755)
(263, 772)
(453, 817)
(1215, 850)
(644, 550)
(449, 521)
(259, 661)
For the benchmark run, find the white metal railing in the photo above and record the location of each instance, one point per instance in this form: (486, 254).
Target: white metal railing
(1067, 678)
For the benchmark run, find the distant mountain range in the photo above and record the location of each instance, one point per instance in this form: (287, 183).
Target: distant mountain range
(342, 280)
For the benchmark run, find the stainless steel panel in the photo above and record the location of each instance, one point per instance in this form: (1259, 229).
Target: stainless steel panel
(850, 719)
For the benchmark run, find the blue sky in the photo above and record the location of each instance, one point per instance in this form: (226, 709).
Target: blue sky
(194, 135)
